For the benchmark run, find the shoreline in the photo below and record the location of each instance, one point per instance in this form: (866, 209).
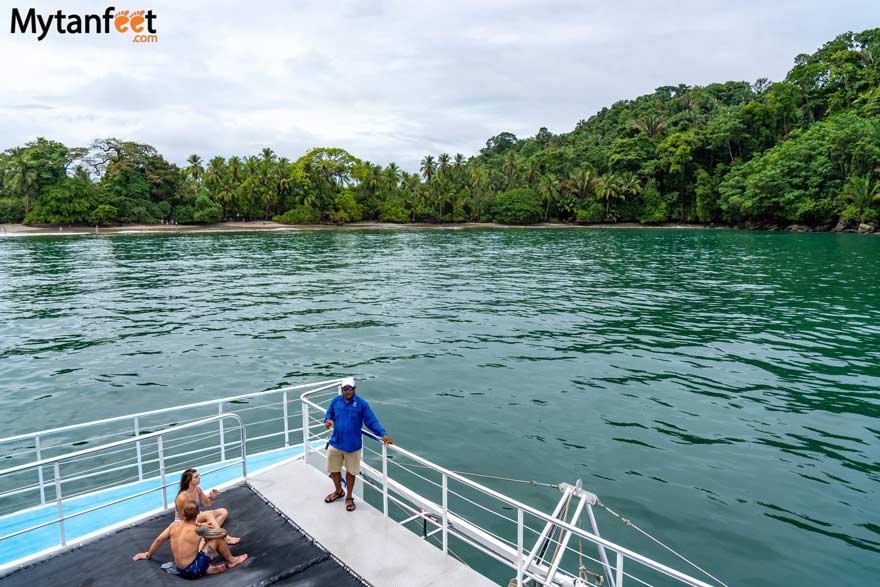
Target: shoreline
(272, 226)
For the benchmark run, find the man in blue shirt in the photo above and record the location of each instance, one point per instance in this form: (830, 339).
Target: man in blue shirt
(347, 414)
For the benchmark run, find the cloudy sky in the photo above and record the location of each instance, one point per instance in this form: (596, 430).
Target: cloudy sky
(386, 80)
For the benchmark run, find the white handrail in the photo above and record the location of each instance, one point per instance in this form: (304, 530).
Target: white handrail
(79, 453)
(328, 384)
(621, 551)
(159, 435)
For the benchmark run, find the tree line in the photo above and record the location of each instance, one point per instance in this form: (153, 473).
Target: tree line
(805, 150)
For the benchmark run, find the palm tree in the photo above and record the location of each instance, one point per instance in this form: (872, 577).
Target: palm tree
(411, 186)
(616, 186)
(428, 167)
(509, 168)
(531, 171)
(215, 171)
(22, 177)
(629, 184)
(582, 183)
(443, 161)
(608, 189)
(651, 124)
(392, 173)
(226, 198)
(478, 184)
(374, 179)
(861, 191)
(234, 168)
(195, 169)
(548, 189)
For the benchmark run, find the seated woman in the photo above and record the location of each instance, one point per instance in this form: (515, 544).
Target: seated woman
(190, 491)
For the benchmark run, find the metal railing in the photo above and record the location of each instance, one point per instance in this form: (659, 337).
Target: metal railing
(510, 544)
(56, 462)
(530, 565)
(37, 445)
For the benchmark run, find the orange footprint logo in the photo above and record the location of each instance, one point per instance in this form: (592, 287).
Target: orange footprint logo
(137, 21)
(121, 21)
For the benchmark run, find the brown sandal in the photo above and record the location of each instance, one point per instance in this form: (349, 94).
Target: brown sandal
(333, 497)
(350, 507)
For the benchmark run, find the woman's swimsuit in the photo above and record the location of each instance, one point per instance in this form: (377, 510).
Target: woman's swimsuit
(198, 503)
(197, 568)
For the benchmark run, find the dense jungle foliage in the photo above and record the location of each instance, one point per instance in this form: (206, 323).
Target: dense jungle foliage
(805, 150)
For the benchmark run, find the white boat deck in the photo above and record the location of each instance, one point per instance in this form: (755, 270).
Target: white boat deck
(378, 549)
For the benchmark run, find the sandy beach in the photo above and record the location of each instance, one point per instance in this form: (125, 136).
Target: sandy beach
(268, 226)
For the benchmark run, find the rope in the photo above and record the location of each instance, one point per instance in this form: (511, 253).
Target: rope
(532, 482)
(628, 522)
(559, 540)
(583, 571)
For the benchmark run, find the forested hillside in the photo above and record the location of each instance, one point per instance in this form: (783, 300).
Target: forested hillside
(801, 151)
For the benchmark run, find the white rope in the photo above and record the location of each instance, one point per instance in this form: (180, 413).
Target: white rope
(533, 483)
(628, 522)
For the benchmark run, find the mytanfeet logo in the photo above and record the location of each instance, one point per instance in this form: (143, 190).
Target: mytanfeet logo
(141, 24)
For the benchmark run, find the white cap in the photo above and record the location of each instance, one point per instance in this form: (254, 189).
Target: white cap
(347, 381)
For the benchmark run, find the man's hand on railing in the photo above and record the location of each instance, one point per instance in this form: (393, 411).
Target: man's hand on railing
(328, 424)
(387, 440)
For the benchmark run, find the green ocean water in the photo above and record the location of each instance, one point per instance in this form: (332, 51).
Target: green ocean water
(720, 388)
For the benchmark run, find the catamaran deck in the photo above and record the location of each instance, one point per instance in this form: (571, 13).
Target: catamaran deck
(377, 548)
(90, 523)
(303, 546)
(279, 554)
(80, 524)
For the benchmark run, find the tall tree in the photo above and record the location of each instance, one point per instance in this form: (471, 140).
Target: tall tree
(548, 188)
(21, 177)
(194, 167)
(428, 167)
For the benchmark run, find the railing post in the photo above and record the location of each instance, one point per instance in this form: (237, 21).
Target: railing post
(40, 471)
(545, 533)
(445, 517)
(519, 547)
(602, 554)
(222, 439)
(286, 427)
(58, 499)
(306, 431)
(137, 445)
(243, 435)
(162, 473)
(618, 580)
(564, 538)
(385, 480)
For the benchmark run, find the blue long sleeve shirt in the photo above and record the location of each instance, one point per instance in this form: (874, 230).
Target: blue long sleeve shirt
(348, 419)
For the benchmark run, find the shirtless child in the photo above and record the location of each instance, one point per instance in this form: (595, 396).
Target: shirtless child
(190, 549)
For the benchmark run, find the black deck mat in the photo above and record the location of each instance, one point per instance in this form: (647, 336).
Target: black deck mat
(279, 554)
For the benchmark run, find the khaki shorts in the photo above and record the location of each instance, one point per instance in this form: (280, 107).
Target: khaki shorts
(335, 459)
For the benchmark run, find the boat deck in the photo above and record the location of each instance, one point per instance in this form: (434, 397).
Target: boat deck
(376, 548)
(278, 554)
(45, 539)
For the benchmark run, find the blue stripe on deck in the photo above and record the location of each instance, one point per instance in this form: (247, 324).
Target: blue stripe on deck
(37, 540)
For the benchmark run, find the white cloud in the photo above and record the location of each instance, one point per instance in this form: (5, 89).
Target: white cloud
(386, 80)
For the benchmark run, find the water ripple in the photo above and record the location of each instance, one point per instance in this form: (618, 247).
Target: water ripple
(720, 387)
